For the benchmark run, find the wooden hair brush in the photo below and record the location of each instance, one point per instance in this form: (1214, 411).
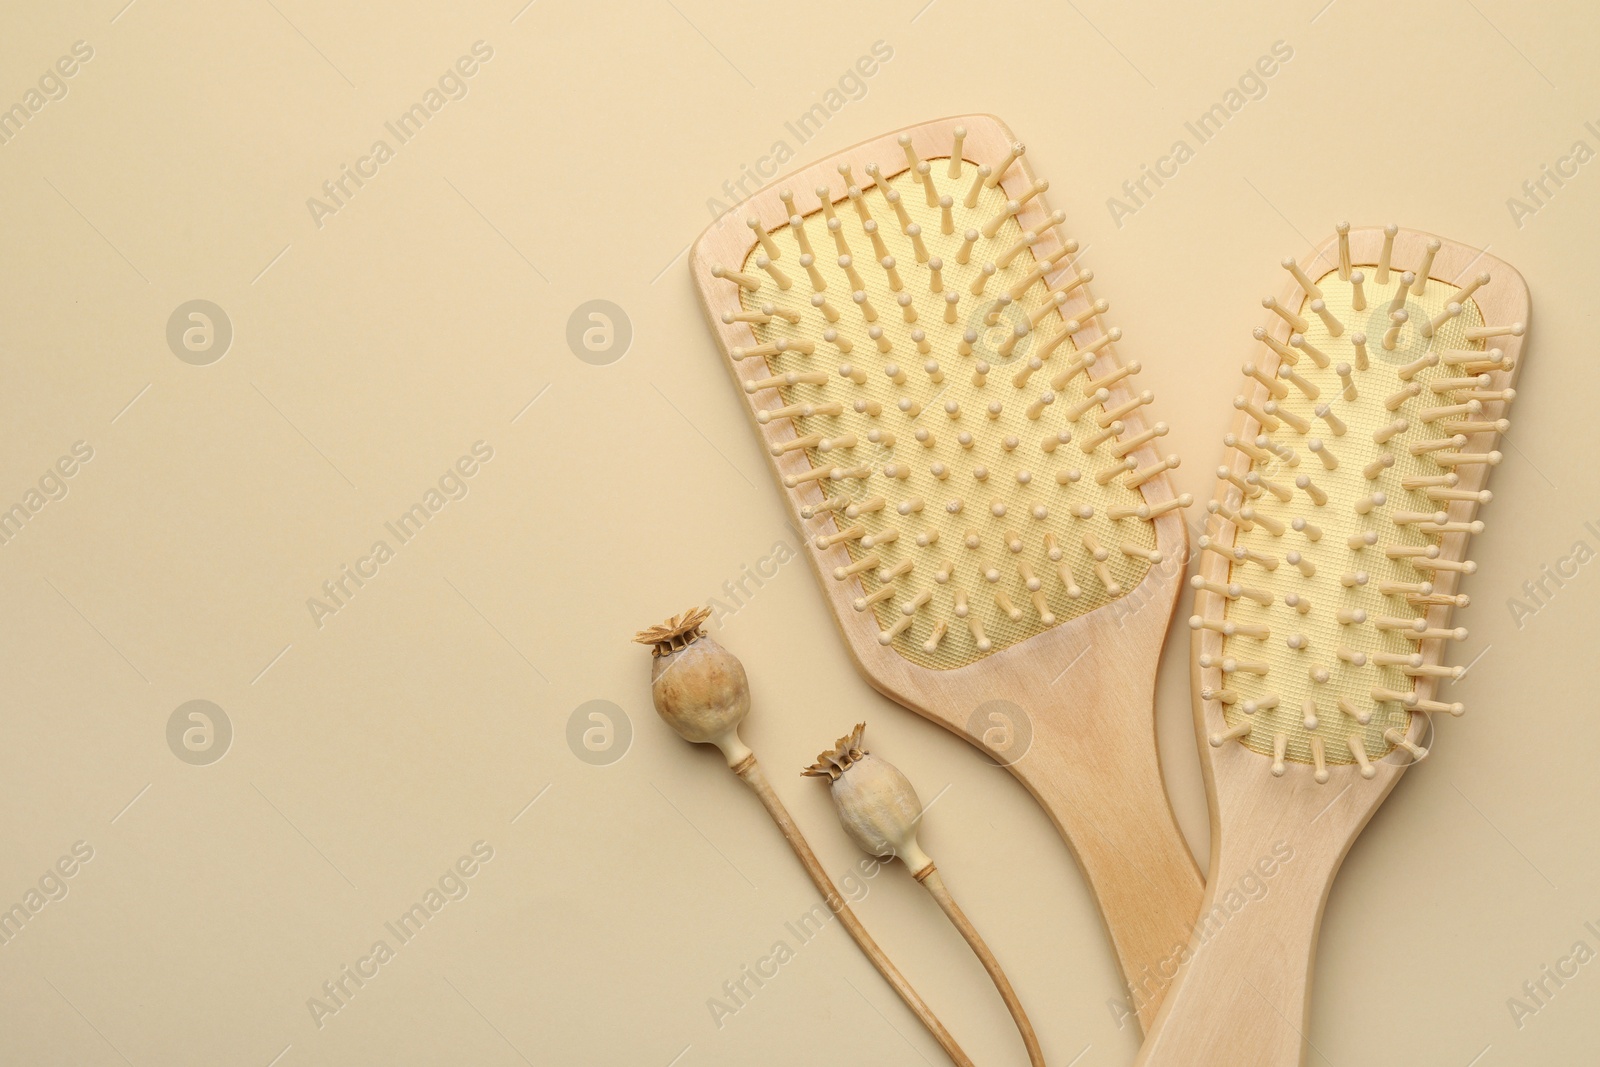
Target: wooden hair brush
(1373, 399)
(981, 495)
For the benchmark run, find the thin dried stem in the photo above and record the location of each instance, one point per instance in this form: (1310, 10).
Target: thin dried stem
(929, 877)
(750, 772)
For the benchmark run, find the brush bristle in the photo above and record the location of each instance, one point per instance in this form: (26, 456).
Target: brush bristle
(1346, 536)
(949, 377)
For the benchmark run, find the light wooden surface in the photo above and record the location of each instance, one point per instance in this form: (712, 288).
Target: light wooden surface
(1092, 763)
(1243, 997)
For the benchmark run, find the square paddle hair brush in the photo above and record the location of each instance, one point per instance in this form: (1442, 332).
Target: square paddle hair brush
(948, 421)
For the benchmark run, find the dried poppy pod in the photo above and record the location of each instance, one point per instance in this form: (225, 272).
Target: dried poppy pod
(877, 805)
(879, 809)
(699, 688)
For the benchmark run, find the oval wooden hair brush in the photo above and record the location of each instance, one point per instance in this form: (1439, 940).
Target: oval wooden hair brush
(1373, 399)
(983, 501)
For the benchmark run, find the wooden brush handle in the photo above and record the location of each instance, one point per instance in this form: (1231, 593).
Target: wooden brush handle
(1243, 998)
(1101, 784)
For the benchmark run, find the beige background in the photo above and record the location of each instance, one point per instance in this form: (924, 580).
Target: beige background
(425, 715)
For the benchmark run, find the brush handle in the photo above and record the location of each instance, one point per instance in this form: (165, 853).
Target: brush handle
(1100, 782)
(1243, 997)
(749, 771)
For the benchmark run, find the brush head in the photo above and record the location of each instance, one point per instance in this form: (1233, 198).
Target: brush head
(1347, 495)
(943, 399)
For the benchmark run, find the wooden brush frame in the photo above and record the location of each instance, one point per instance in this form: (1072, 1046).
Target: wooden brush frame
(1092, 762)
(1213, 1017)
(1503, 299)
